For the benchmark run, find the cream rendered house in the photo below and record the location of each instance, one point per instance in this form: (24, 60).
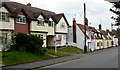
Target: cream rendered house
(6, 27)
(43, 23)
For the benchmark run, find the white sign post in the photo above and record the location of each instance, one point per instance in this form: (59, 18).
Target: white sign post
(55, 45)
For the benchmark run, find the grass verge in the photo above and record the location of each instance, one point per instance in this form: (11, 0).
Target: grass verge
(58, 54)
(72, 49)
(16, 57)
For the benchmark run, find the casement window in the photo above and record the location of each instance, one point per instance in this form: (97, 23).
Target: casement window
(59, 37)
(98, 44)
(4, 16)
(40, 36)
(3, 38)
(40, 21)
(62, 25)
(21, 19)
(50, 23)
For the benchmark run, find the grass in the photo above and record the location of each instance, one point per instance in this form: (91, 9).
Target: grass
(16, 57)
(72, 49)
(58, 54)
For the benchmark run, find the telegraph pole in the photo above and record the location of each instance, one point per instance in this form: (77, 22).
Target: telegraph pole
(85, 48)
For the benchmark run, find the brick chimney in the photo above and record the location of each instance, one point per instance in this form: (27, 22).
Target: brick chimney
(86, 21)
(29, 4)
(74, 30)
(100, 27)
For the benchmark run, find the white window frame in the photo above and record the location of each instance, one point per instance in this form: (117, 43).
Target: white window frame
(21, 19)
(50, 23)
(6, 16)
(40, 21)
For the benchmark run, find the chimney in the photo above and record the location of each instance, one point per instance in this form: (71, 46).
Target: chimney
(100, 27)
(29, 4)
(74, 30)
(86, 21)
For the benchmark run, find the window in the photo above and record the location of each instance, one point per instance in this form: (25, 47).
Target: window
(62, 25)
(3, 38)
(4, 16)
(101, 44)
(40, 21)
(98, 44)
(59, 37)
(50, 23)
(40, 36)
(21, 19)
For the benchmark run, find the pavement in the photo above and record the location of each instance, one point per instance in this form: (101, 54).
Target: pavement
(39, 64)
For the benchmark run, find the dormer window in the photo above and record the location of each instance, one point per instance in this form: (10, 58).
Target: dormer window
(62, 25)
(4, 16)
(40, 21)
(50, 23)
(21, 19)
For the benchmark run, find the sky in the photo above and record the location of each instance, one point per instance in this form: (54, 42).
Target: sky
(97, 11)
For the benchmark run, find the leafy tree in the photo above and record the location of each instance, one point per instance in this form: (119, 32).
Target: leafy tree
(117, 12)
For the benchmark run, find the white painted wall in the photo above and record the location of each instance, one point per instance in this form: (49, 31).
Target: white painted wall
(6, 24)
(80, 38)
(59, 28)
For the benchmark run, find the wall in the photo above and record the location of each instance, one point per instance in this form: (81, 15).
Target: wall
(80, 38)
(21, 28)
(97, 41)
(58, 26)
(43, 28)
(70, 34)
(4, 24)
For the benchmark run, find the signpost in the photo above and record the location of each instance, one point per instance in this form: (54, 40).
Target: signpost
(57, 41)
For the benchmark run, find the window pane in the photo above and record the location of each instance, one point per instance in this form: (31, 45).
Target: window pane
(3, 16)
(0, 16)
(24, 20)
(41, 21)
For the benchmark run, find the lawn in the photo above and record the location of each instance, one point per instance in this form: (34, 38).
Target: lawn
(58, 54)
(22, 57)
(16, 57)
(72, 49)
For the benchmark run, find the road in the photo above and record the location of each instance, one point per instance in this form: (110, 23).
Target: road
(106, 58)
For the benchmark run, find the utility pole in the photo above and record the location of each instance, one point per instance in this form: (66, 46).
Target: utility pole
(85, 48)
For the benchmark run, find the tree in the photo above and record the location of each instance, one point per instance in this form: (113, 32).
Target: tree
(117, 12)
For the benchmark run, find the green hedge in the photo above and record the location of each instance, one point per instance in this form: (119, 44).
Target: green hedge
(28, 43)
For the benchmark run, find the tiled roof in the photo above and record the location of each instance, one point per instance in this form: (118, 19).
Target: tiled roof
(104, 33)
(81, 28)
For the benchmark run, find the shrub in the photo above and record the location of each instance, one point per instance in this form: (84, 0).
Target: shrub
(28, 43)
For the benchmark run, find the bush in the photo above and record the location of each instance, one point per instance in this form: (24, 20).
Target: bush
(28, 43)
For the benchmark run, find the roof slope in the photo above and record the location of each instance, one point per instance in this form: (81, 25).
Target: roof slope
(32, 12)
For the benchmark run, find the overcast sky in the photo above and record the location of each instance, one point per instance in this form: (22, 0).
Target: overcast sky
(97, 10)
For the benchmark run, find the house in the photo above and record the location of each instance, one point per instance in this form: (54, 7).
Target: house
(114, 39)
(31, 20)
(106, 39)
(76, 36)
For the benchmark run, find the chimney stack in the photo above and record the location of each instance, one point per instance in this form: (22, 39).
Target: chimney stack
(29, 4)
(74, 30)
(100, 27)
